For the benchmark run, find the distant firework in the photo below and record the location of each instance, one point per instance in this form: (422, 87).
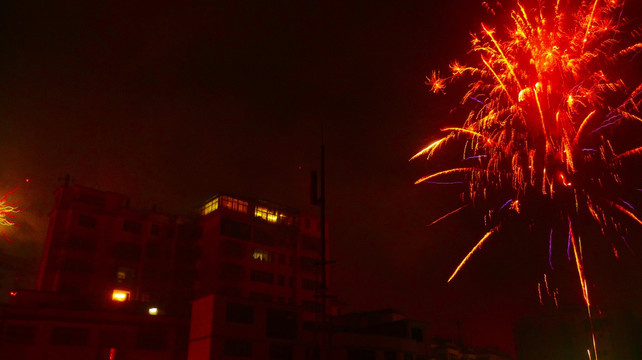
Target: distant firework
(547, 97)
(7, 211)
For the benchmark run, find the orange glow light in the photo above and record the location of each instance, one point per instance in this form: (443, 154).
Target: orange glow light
(120, 295)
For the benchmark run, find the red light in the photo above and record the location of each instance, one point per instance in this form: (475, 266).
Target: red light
(13, 293)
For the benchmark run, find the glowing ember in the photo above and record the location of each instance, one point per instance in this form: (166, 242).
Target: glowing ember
(545, 101)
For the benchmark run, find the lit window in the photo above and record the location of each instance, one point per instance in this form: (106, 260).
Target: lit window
(120, 295)
(212, 205)
(262, 255)
(234, 204)
(272, 215)
(152, 311)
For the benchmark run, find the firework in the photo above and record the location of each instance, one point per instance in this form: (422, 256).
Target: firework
(546, 97)
(7, 211)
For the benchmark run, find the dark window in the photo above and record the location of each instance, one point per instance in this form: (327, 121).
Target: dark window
(263, 237)
(281, 280)
(262, 276)
(151, 339)
(20, 334)
(152, 250)
(236, 229)
(237, 347)
(361, 354)
(239, 313)
(311, 244)
(87, 221)
(126, 252)
(260, 297)
(417, 334)
(311, 306)
(282, 259)
(281, 324)
(312, 353)
(77, 266)
(280, 351)
(306, 223)
(229, 291)
(285, 240)
(389, 355)
(232, 248)
(155, 229)
(132, 227)
(232, 272)
(308, 265)
(407, 356)
(81, 243)
(69, 336)
(308, 284)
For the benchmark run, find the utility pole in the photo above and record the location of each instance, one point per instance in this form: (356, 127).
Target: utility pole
(318, 198)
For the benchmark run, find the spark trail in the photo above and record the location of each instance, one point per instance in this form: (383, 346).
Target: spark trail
(547, 94)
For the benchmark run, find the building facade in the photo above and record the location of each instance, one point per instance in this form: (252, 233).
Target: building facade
(258, 250)
(101, 250)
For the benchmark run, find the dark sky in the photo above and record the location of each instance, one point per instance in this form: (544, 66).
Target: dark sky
(172, 103)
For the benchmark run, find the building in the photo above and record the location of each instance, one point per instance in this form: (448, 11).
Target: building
(259, 250)
(101, 250)
(227, 329)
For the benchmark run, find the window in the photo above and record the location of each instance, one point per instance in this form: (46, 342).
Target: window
(234, 204)
(120, 295)
(132, 227)
(311, 306)
(308, 284)
(260, 297)
(69, 336)
(311, 244)
(280, 351)
(417, 334)
(272, 215)
(262, 276)
(389, 355)
(81, 243)
(155, 229)
(232, 248)
(281, 324)
(126, 252)
(262, 255)
(308, 265)
(151, 339)
(361, 354)
(264, 237)
(282, 259)
(20, 334)
(77, 266)
(280, 280)
(210, 206)
(236, 229)
(239, 313)
(124, 274)
(407, 356)
(232, 272)
(237, 347)
(87, 221)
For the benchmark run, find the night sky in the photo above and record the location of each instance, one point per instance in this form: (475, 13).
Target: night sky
(173, 103)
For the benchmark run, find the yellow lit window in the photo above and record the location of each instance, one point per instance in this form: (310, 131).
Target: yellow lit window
(272, 215)
(120, 295)
(262, 255)
(212, 205)
(152, 311)
(234, 204)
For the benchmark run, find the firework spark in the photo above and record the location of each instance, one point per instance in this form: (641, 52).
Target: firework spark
(548, 95)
